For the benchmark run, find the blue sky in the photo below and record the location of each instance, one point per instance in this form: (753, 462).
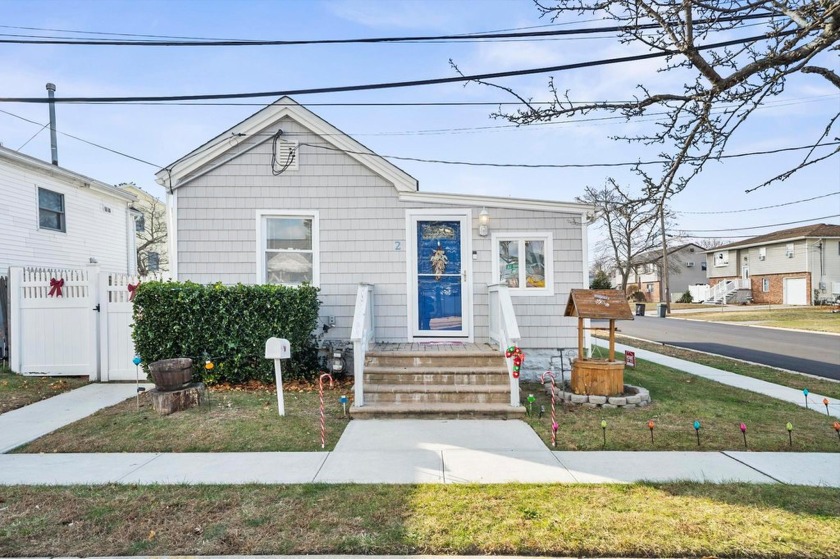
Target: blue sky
(161, 134)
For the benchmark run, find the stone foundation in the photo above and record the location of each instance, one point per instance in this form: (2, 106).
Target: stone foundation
(633, 397)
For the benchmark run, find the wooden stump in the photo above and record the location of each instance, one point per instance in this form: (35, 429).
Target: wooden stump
(599, 378)
(171, 401)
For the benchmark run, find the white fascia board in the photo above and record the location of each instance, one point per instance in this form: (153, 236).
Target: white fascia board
(51, 170)
(496, 202)
(285, 107)
(766, 243)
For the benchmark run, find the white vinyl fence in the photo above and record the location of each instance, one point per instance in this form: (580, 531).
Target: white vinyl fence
(71, 322)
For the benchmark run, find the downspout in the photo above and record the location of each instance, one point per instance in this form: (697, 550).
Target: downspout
(53, 139)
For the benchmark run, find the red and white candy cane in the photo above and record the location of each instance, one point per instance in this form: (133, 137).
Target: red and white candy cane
(553, 417)
(321, 397)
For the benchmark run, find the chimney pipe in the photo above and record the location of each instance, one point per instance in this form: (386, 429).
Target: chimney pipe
(53, 140)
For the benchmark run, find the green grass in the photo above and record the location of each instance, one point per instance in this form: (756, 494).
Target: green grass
(17, 391)
(828, 388)
(639, 520)
(236, 420)
(678, 400)
(817, 319)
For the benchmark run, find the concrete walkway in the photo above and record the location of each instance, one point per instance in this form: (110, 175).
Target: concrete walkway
(28, 423)
(792, 395)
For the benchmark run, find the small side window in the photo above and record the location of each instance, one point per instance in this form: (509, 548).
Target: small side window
(51, 210)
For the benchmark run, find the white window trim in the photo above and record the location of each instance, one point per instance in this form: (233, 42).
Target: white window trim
(765, 285)
(522, 236)
(38, 210)
(723, 262)
(316, 241)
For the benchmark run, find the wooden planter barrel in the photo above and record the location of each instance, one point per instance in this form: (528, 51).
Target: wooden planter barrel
(598, 378)
(171, 374)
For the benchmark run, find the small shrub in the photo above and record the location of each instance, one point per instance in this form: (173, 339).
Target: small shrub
(686, 298)
(229, 325)
(638, 296)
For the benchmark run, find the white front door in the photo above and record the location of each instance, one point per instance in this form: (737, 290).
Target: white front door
(439, 274)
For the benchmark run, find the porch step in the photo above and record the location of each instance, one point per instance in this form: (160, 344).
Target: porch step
(441, 375)
(436, 394)
(458, 359)
(437, 411)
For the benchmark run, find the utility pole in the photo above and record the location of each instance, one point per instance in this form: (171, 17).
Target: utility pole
(664, 292)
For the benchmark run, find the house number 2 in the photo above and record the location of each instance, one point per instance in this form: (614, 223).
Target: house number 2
(397, 245)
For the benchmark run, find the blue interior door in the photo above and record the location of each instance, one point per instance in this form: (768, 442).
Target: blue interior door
(441, 278)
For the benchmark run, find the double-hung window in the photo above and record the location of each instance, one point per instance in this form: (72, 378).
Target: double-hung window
(524, 262)
(288, 247)
(51, 210)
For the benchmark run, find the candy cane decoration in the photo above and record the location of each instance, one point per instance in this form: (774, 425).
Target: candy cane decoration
(553, 416)
(321, 397)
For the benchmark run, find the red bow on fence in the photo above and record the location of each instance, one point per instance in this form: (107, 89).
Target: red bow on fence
(55, 287)
(132, 290)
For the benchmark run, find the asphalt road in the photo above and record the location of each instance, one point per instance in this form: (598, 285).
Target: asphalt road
(816, 354)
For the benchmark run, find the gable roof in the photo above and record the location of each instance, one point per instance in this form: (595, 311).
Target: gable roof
(173, 174)
(82, 181)
(656, 254)
(817, 230)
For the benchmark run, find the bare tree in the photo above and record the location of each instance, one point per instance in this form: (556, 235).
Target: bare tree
(631, 226)
(709, 244)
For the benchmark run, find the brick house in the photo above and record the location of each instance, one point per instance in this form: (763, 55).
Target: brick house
(799, 266)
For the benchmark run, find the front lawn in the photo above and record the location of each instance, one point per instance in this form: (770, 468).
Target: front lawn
(817, 319)
(679, 399)
(236, 419)
(638, 520)
(17, 391)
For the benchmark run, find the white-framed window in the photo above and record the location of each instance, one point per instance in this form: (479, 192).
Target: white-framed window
(51, 214)
(765, 285)
(721, 259)
(524, 261)
(288, 247)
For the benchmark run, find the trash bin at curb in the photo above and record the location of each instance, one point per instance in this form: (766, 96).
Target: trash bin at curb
(663, 310)
(640, 309)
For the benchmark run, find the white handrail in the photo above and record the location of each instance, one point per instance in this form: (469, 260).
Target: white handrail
(362, 335)
(722, 289)
(504, 330)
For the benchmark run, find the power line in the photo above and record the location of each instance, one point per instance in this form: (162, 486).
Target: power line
(386, 85)
(363, 40)
(763, 226)
(763, 207)
(33, 136)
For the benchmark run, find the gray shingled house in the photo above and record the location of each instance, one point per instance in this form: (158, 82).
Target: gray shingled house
(285, 197)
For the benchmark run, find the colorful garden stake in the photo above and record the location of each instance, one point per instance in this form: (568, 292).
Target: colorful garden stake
(825, 403)
(137, 362)
(321, 398)
(837, 428)
(343, 401)
(553, 416)
(531, 400)
(651, 425)
(697, 431)
(604, 430)
(209, 365)
(789, 428)
(744, 432)
(805, 391)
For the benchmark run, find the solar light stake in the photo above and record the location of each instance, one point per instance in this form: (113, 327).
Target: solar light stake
(697, 431)
(805, 392)
(651, 425)
(825, 403)
(744, 432)
(138, 390)
(343, 401)
(604, 430)
(837, 428)
(789, 428)
(531, 400)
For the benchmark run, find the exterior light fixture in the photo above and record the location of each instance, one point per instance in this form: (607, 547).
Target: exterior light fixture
(483, 220)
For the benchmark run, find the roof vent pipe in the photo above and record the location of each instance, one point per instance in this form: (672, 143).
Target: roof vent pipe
(53, 140)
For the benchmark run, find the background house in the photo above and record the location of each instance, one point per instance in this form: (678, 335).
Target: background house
(686, 263)
(150, 231)
(285, 197)
(799, 266)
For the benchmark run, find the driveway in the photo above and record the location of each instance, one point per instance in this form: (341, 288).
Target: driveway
(816, 354)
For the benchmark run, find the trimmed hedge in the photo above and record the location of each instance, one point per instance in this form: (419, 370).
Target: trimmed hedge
(228, 325)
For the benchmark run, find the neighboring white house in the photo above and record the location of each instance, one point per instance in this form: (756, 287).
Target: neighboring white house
(52, 217)
(285, 197)
(799, 266)
(686, 264)
(151, 242)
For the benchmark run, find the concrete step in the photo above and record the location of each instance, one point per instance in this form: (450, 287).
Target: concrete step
(437, 411)
(497, 375)
(459, 359)
(436, 393)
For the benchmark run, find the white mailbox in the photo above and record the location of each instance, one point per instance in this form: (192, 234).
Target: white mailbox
(277, 349)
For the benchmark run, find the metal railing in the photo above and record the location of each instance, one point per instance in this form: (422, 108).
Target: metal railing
(362, 335)
(504, 330)
(723, 289)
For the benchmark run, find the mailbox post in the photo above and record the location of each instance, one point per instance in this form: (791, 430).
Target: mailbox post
(277, 349)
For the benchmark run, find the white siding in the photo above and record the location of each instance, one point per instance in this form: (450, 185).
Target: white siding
(90, 231)
(776, 260)
(360, 218)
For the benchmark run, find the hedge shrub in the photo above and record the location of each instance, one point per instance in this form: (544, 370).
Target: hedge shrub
(229, 325)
